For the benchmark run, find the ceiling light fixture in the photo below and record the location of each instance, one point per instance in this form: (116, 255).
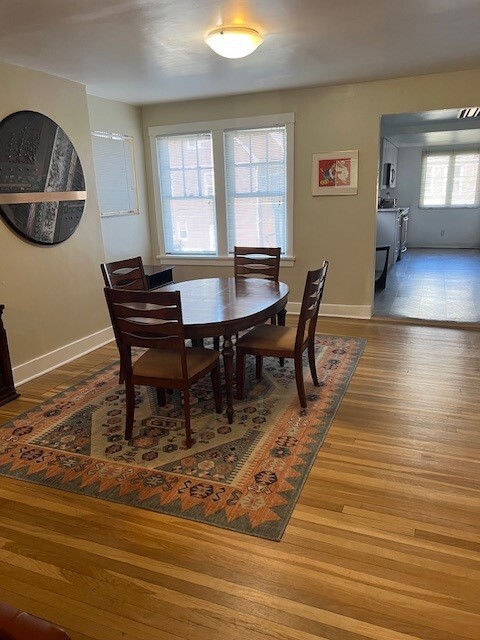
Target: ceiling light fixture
(234, 42)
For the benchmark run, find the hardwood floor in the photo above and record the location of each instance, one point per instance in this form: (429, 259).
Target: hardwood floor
(384, 543)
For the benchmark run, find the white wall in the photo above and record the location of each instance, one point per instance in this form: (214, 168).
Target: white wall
(124, 236)
(461, 227)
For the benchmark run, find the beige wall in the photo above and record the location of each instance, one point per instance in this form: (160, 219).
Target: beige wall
(338, 228)
(53, 294)
(124, 236)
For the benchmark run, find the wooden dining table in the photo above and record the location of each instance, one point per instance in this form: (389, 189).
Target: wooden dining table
(223, 306)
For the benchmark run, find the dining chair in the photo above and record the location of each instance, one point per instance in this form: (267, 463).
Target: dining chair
(255, 262)
(251, 262)
(153, 321)
(125, 274)
(263, 262)
(286, 342)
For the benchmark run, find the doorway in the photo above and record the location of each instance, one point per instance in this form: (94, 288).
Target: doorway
(437, 276)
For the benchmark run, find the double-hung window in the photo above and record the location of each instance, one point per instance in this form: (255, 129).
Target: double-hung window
(185, 170)
(450, 179)
(224, 183)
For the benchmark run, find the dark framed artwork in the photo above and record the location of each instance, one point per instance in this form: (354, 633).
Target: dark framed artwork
(42, 186)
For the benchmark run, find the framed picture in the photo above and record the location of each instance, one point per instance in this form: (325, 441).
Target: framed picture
(335, 173)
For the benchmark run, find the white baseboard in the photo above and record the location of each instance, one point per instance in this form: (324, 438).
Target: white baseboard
(362, 312)
(49, 361)
(45, 363)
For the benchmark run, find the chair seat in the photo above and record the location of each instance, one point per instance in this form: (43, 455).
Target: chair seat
(166, 364)
(273, 337)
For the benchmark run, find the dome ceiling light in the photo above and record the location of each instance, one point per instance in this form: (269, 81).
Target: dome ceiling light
(234, 42)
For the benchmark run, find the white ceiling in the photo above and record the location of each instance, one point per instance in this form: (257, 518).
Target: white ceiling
(431, 129)
(144, 51)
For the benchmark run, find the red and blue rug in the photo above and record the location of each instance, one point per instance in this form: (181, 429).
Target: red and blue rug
(245, 477)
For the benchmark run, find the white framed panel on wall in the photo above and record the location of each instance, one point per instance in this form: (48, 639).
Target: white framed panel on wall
(114, 162)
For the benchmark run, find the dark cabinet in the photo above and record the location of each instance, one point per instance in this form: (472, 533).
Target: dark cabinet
(158, 276)
(7, 387)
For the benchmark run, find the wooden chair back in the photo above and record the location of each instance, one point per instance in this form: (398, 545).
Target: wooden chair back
(125, 274)
(151, 320)
(312, 296)
(251, 262)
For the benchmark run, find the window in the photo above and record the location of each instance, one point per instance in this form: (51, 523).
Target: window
(115, 173)
(450, 179)
(185, 165)
(256, 177)
(224, 183)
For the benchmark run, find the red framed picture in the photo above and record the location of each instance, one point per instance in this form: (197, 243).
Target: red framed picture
(335, 173)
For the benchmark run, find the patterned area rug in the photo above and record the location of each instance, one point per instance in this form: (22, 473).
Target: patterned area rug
(246, 476)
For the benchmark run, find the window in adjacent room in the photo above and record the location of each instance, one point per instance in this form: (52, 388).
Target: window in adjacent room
(450, 179)
(113, 158)
(224, 183)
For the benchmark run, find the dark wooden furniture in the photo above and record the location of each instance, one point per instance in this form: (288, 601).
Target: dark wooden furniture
(153, 320)
(381, 276)
(158, 275)
(125, 274)
(222, 307)
(131, 273)
(19, 625)
(263, 262)
(7, 387)
(257, 262)
(286, 342)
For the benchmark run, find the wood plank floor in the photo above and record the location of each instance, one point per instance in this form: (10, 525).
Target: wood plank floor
(384, 543)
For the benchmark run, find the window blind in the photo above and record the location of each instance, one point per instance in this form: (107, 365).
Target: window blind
(450, 179)
(115, 173)
(187, 193)
(256, 179)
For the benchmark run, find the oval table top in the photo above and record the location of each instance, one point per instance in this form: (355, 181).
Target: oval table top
(223, 306)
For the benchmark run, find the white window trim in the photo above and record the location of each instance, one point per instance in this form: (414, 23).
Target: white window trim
(121, 136)
(217, 127)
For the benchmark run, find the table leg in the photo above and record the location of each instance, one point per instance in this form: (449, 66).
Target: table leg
(281, 315)
(227, 353)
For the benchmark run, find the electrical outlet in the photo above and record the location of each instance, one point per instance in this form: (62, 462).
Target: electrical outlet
(442, 232)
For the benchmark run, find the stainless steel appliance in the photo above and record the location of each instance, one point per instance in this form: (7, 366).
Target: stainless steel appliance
(392, 232)
(403, 232)
(390, 174)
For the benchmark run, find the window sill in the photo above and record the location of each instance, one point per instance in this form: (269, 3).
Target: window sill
(116, 214)
(212, 261)
(431, 207)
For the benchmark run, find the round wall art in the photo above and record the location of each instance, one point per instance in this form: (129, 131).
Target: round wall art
(42, 187)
